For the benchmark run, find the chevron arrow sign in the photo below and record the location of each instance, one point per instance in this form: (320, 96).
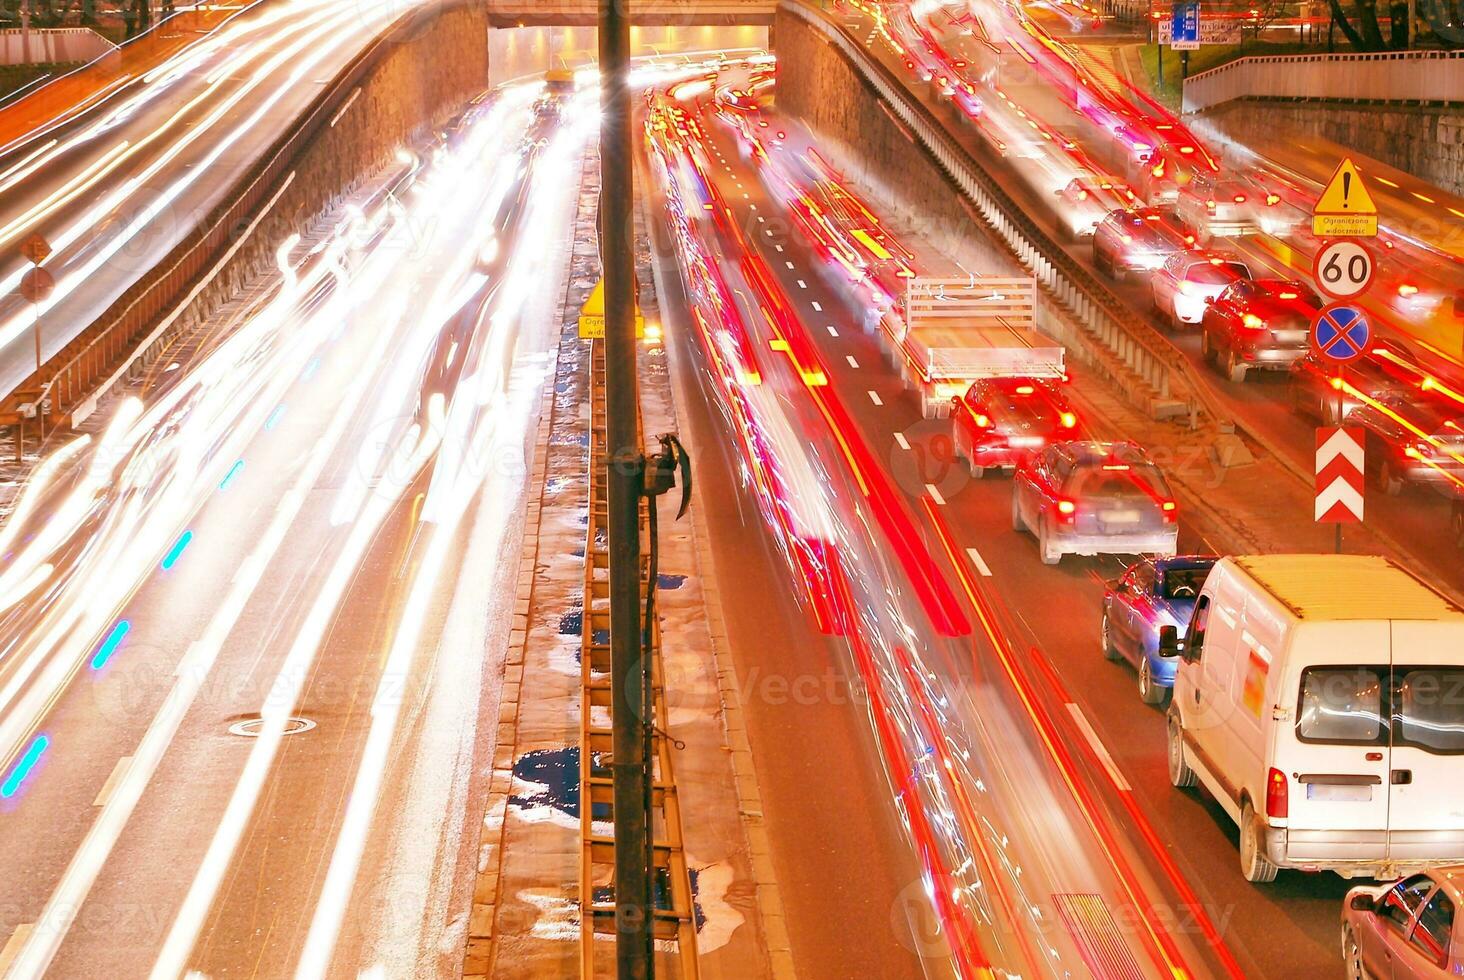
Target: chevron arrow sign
(1339, 475)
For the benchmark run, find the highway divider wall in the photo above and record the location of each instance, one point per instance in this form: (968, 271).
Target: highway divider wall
(423, 70)
(845, 94)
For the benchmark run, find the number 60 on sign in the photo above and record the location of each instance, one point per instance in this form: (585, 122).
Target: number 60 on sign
(1343, 269)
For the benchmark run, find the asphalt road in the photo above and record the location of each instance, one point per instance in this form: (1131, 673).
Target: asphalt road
(116, 187)
(1281, 930)
(352, 571)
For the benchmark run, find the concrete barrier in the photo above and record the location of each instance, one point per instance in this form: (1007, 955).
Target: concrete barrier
(580, 13)
(1430, 77)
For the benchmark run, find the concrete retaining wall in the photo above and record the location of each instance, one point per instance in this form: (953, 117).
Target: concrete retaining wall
(429, 75)
(818, 86)
(1427, 142)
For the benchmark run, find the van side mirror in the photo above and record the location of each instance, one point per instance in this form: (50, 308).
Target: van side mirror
(1168, 641)
(1363, 902)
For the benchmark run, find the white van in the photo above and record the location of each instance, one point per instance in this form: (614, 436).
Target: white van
(1320, 698)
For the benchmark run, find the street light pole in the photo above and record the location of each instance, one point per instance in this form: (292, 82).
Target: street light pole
(629, 677)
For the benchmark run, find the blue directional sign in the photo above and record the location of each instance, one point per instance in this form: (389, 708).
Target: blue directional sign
(1341, 332)
(1184, 25)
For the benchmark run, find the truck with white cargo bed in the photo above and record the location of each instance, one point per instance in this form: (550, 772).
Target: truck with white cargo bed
(949, 332)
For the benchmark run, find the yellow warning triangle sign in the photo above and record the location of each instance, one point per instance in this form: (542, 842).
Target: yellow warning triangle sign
(1345, 193)
(592, 314)
(1345, 207)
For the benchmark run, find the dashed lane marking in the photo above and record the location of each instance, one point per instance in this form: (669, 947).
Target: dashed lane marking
(1098, 749)
(111, 784)
(832, 331)
(817, 308)
(934, 492)
(874, 397)
(978, 561)
(802, 284)
(852, 363)
(789, 264)
(901, 441)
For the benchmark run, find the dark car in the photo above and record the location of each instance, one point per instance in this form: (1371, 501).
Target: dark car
(1412, 438)
(1385, 369)
(1091, 498)
(1153, 593)
(1404, 930)
(1138, 240)
(1259, 324)
(1000, 422)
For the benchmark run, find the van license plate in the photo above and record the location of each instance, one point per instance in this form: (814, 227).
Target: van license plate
(1338, 793)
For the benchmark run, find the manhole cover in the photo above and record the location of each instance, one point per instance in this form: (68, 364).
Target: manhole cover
(251, 727)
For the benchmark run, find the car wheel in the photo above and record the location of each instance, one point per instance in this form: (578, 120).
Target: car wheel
(1254, 864)
(1352, 955)
(1149, 691)
(1235, 368)
(1207, 350)
(1110, 652)
(1017, 523)
(1458, 522)
(1050, 555)
(977, 472)
(1388, 478)
(1180, 774)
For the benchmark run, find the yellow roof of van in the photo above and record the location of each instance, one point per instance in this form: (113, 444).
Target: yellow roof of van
(1346, 587)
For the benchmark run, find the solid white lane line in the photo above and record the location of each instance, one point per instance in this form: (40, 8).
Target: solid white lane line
(1098, 748)
(111, 784)
(874, 397)
(14, 945)
(852, 363)
(934, 492)
(832, 331)
(901, 440)
(978, 561)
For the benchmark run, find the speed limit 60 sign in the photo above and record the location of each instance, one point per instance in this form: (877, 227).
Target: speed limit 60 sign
(1343, 269)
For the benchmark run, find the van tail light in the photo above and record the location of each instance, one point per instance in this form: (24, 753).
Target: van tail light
(1276, 795)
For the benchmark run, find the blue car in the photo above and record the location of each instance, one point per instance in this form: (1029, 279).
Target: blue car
(1154, 592)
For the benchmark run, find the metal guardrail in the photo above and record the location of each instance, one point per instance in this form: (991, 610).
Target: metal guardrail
(1390, 76)
(675, 917)
(68, 377)
(1137, 352)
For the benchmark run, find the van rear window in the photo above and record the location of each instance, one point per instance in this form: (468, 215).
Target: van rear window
(1421, 707)
(1431, 707)
(1340, 704)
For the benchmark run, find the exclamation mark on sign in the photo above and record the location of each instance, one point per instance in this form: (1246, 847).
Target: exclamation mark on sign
(1346, 189)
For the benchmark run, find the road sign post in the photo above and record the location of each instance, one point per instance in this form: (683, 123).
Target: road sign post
(1339, 477)
(36, 287)
(1341, 332)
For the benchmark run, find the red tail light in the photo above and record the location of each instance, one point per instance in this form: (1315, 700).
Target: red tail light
(1069, 420)
(1276, 794)
(1170, 509)
(1065, 510)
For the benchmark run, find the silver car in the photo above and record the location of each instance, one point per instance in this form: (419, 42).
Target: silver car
(1404, 930)
(1092, 498)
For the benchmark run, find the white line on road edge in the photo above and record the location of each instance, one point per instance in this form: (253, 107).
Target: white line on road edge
(903, 442)
(978, 561)
(819, 309)
(14, 944)
(110, 785)
(1098, 748)
(930, 488)
(874, 397)
(852, 363)
(832, 331)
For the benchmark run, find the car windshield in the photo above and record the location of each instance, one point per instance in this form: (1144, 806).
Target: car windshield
(1118, 480)
(1209, 273)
